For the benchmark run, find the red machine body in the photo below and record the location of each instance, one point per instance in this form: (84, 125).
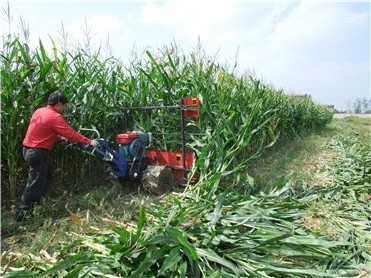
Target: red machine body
(172, 159)
(127, 138)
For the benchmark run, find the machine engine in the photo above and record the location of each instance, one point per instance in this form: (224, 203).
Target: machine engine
(128, 162)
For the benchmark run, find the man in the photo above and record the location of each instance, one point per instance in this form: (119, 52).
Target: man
(47, 126)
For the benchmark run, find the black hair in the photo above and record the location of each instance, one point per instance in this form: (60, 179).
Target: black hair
(57, 97)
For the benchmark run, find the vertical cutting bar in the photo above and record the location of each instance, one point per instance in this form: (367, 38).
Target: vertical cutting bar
(183, 134)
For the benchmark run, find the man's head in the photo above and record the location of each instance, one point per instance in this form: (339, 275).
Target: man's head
(58, 100)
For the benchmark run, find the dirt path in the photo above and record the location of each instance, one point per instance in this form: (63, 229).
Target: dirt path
(305, 158)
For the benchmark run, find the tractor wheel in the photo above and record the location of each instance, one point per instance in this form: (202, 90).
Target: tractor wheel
(158, 179)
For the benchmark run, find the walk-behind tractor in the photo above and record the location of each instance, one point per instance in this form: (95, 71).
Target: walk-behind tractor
(134, 162)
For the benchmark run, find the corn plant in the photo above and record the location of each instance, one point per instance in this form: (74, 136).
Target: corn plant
(23, 82)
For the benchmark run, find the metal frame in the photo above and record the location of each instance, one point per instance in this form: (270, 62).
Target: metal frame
(182, 108)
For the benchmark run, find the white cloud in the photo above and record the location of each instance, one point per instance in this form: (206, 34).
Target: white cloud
(99, 24)
(307, 34)
(97, 28)
(191, 18)
(312, 25)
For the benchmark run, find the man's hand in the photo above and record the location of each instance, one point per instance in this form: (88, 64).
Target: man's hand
(94, 143)
(63, 139)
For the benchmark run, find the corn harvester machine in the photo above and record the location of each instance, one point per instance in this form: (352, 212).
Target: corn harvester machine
(133, 161)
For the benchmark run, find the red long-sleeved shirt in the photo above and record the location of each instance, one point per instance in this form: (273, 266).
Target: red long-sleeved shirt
(46, 125)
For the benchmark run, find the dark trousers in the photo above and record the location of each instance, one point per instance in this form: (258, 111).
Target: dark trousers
(39, 176)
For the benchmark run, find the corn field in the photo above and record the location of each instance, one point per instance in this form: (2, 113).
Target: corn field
(218, 227)
(240, 115)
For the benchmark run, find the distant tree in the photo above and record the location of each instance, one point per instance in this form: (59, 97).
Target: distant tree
(357, 106)
(362, 105)
(366, 105)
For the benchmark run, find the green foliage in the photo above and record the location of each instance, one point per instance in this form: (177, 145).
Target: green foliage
(231, 234)
(240, 115)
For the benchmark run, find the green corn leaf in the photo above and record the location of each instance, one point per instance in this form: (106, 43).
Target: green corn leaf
(217, 210)
(214, 257)
(151, 258)
(124, 234)
(75, 272)
(171, 216)
(161, 239)
(79, 258)
(172, 260)
(141, 220)
(183, 270)
(180, 236)
(44, 55)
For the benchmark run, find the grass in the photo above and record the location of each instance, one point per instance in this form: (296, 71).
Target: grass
(98, 208)
(303, 158)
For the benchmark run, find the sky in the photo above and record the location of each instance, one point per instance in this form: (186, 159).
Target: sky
(321, 48)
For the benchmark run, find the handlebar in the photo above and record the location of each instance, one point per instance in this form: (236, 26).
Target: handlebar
(91, 129)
